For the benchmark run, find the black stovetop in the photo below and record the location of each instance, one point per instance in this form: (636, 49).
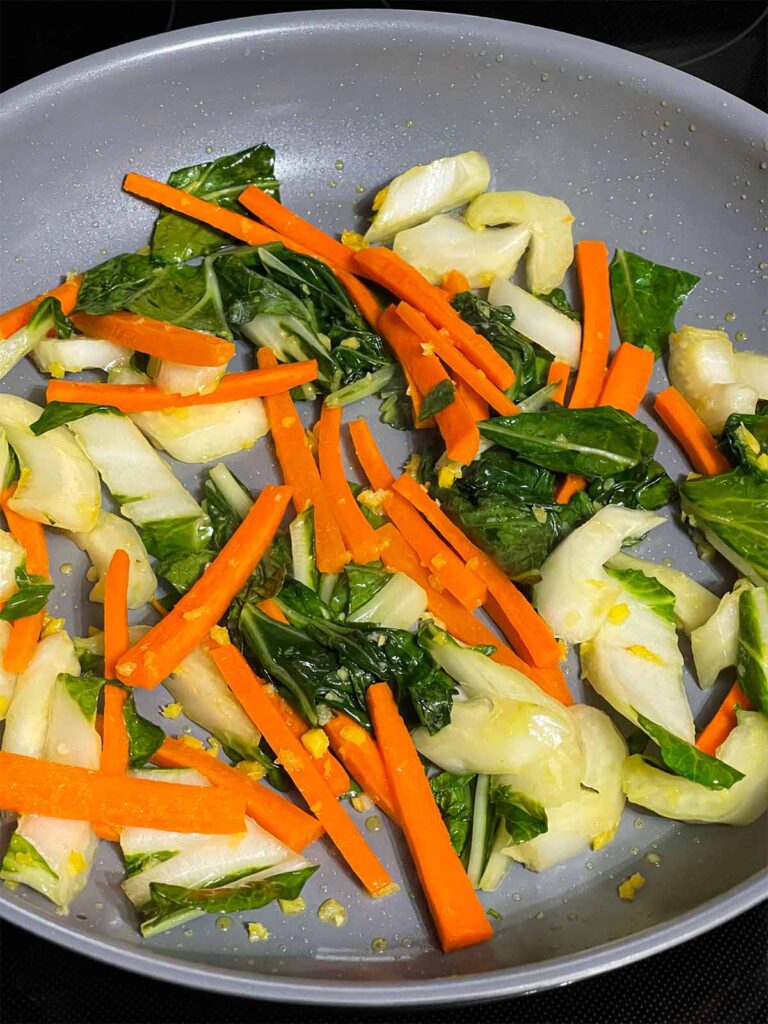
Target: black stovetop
(719, 978)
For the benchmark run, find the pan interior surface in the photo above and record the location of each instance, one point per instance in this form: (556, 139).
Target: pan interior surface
(648, 159)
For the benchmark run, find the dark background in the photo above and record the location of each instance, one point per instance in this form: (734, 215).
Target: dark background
(719, 978)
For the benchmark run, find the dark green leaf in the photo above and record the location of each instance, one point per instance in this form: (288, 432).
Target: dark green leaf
(364, 582)
(637, 741)
(499, 473)
(115, 283)
(136, 862)
(590, 442)
(84, 691)
(168, 538)
(752, 662)
(249, 896)
(688, 761)
(186, 296)
(437, 399)
(50, 317)
(646, 486)
(523, 818)
(646, 296)
(453, 795)
(30, 598)
(733, 509)
(144, 737)
(557, 299)
(176, 238)
(183, 570)
(745, 440)
(648, 590)
(56, 414)
(495, 323)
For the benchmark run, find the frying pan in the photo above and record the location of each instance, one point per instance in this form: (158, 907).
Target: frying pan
(648, 158)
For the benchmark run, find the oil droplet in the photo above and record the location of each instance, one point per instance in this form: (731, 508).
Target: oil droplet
(409, 123)
(544, 77)
(634, 850)
(763, 165)
(499, 58)
(339, 165)
(225, 923)
(379, 945)
(360, 189)
(332, 183)
(66, 569)
(639, 823)
(729, 317)
(740, 336)
(188, 932)
(762, 266)
(99, 906)
(540, 915)
(589, 866)
(653, 858)
(209, 149)
(691, 127)
(579, 78)
(373, 824)
(517, 896)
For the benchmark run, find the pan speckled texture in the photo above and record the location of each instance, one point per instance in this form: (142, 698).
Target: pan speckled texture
(648, 158)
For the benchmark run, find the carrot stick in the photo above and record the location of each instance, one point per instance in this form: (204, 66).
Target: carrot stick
(458, 429)
(628, 378)
(369, 456)
(399, 556)
(273, 610)
(572, 484)
(689, 431)
(417, 400)
(592, 267)
(190, 620)
(436, 557)
(250, 691)
(723, 720)
(31, 786)
(361, 295)
(516, 617)
(243, 228)
(157, 338)
(440, 343)
(476, 404)
(226, 221)
(355, 529)
(290, 225)
(459, 916)
(559, 373)
(454, 282)
(25, 632)
(302, 475)
(392, 272)
(284, 820)
(361, 755)
(14, 319)
(147, 398)
(115, 749)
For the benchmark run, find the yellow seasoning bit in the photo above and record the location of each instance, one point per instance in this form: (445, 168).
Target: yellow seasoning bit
(438, 561)
(291, 908)
(315, 741)
(372, 500)
(351, 343)
(640, 651)
(192, 741)
(353, 734)
(76, 863)
(332, 912)
(219, 635)
(51, 625)
(172, 711)
(447, 476)
(252, 769)
(629, 887)
(379, 198)
(213, 746)
(256, 931)
(412, 465)
(618, 614)
(603, 838)
(361, 802)
(427, 348)
(353, 240)
(4, 705)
